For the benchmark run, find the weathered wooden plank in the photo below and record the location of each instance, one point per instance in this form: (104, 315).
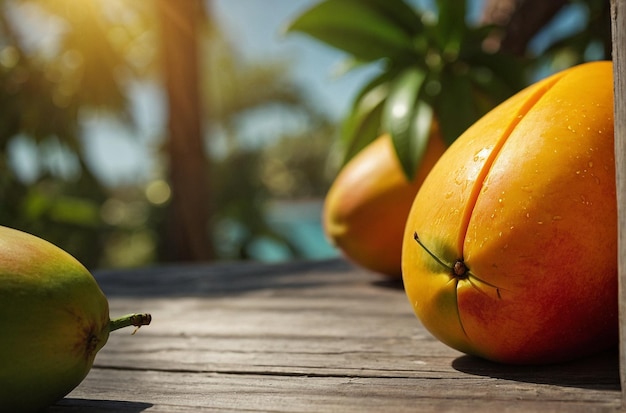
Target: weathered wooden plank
(176, 392)
(306, 337)
(360, 327)
(270, 334)
(289, 356)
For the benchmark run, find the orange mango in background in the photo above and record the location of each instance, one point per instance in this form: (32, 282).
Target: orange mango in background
(366, 208)
(521, 213)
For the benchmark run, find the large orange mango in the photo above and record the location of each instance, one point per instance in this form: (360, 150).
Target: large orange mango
(520, 214)
(366, 207)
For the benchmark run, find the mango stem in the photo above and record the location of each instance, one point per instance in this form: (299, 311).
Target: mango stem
(436, 258)
(459, 270)
(137, 320)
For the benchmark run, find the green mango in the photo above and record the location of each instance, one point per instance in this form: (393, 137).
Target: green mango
(54, 318)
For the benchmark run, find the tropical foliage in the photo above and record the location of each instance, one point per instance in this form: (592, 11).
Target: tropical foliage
(435, 70)
(436, 66)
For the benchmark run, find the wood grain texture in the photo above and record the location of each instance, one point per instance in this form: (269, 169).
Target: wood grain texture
(306, 337)
(618, 27)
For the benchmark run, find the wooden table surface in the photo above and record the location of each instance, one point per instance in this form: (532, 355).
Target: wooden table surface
(305, 337)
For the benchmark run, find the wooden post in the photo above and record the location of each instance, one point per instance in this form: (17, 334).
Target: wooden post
(618, 27)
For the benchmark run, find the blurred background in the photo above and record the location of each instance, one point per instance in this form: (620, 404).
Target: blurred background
(142, 132)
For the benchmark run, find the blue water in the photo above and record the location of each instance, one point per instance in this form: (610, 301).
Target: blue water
(300, 222)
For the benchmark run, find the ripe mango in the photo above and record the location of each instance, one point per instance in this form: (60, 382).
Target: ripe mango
(54, 318)
(519, 217)
(366, 207)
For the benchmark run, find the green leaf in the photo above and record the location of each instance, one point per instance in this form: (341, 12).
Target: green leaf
(489, 88)
(365, 131)
(474, 37)
(363, 124)
(508, 69)
(455, 107)
(408, 119)
(367, 29)
(398, 12)
(451, 25)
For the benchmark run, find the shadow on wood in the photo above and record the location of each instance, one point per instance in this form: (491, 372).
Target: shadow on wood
(221, 279)
(97, 406)
(599, 372)
(389, 283)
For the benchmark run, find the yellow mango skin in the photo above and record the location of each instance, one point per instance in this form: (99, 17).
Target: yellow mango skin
(366, 207)
(53, 317)
(526, 199)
